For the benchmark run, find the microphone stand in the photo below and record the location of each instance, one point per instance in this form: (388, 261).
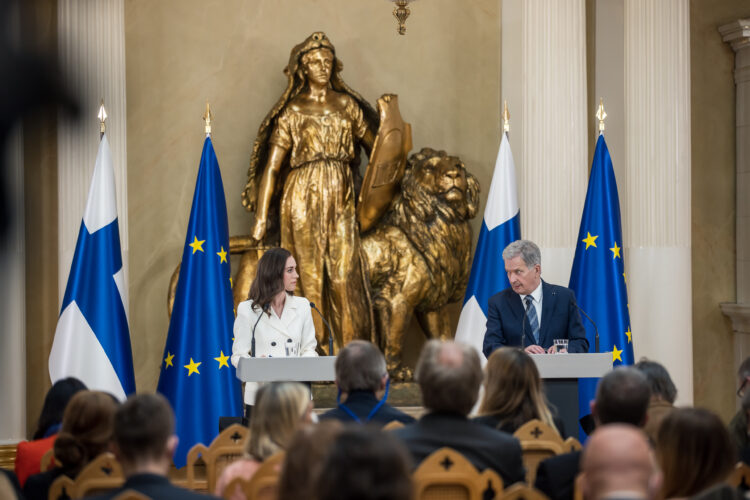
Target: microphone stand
(596, 329)
(330, 332)
(252, 340)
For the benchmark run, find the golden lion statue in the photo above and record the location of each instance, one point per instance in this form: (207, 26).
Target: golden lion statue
(418, 254)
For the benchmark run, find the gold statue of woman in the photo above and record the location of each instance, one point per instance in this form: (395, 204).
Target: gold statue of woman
(301, 184)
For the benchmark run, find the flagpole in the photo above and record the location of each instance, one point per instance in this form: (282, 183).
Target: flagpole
(207, 116)
(506, 119)
(102, 119)
(601, 115)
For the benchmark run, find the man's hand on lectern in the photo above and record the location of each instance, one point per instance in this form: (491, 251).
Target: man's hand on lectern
(534, 349)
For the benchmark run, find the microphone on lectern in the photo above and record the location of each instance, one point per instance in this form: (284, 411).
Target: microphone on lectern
(330, 332)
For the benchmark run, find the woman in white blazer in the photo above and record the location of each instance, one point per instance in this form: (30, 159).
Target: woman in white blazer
(282, 319)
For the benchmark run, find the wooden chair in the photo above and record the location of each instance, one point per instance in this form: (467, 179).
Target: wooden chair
(393, 425)
(448, 474)
(740, 476)
(539, 441)
(101, 474)
(131, 495)
(578, 487)
(48, 461)
(264, 485)
(521, 491)
(571, 444)
(225, 449)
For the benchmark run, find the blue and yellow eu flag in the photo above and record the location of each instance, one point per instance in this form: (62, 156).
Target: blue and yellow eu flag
(598, 277)
(196, 375)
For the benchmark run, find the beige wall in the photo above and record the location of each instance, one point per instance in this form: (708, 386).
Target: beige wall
(446, 71)
(713, 207)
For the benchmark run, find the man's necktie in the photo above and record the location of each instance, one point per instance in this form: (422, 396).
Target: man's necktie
(533, 321)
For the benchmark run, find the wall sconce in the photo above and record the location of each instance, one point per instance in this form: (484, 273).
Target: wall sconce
(401, 12)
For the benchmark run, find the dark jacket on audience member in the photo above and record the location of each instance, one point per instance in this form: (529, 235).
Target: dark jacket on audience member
(361, 404)
(738, 433)
(154, 486)
(555, 477)
(494, 422)
(37, 485)
(485, 448)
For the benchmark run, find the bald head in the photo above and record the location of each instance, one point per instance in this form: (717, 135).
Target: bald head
(617, 458)
(449, 375)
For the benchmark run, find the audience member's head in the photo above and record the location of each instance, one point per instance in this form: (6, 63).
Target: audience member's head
(622, 396)
(55, 401)
(662, 387)
(304, 459)
(86, 431)
(360, 366)
(694, 451)
(449, 375)
(280, 409)
(618, 458)
(365, 464)
(144, 434)
(513, 389)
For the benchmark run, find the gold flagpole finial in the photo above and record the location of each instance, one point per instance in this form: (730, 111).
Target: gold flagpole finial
(506, 118)
(601, 115)
(207, 118)
(102, 119)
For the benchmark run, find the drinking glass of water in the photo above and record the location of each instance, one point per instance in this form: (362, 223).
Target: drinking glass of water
(561, 346)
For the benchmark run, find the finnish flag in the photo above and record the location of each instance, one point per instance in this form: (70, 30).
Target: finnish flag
(92, 340)
(500, 227)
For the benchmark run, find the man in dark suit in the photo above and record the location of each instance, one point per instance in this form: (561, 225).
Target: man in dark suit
(144, 444)
(449, 375)
(622, 396)
(361, 373)
(532, 313)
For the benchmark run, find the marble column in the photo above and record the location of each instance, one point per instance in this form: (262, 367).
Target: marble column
(737, 34)
(554, 172)
(91, 36)
(656, 219)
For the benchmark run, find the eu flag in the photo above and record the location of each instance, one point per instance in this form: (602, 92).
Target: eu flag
(598, 277)
(196, 376)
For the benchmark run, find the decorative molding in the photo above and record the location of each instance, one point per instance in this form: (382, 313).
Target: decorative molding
(554, 173)
(739, 314)
(91, 44)
(736, 33)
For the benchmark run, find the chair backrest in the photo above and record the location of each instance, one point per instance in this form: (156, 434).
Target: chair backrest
(62, 487)
(101, 474)
(264, 485)
(578, 487)
(448, 474)
(539, 441)
(740, 476)
(47, 461)
(521, 491)
(131, 495)
(224, 449)
(393, 425)
(571, 444)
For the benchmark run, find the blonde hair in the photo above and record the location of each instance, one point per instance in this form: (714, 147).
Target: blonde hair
(513, 389)
(279, 408)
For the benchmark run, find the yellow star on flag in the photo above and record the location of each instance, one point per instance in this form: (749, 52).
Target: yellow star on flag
(616, 251)
(630, 335)
(222, 360)
(616, 354)
(168, 360)
(222, 255)
(590, 240)
(625, 277)
(193, 367)
(197, 244)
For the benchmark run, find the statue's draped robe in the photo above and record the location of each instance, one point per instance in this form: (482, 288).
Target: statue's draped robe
(318, 223)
